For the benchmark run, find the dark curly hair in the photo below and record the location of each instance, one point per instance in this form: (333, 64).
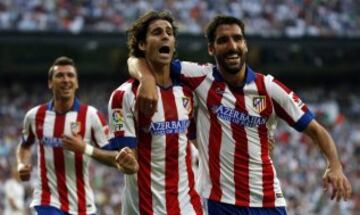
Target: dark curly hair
(221, 20)
(137, 32)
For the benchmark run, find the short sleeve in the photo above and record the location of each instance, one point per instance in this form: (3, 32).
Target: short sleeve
(27, 134)
(121, 118)
(288, 105)
(191, 73)
(99, 128)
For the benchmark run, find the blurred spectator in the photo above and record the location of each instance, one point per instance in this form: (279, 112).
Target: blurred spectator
(14, 195)
(292, 18)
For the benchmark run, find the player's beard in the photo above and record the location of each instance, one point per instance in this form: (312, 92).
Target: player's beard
(232, 69)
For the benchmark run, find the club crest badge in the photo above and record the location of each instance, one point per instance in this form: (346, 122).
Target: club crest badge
(259, 103)
(187, 103)
(75, 127)
(117, 119)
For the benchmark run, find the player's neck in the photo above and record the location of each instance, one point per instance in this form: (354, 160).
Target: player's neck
(62, 105)
(235, 80)
(162, 74)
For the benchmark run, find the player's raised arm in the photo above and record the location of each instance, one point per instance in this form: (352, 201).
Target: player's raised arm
(147, 96)
(334, 177)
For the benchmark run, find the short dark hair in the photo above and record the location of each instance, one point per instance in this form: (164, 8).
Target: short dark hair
(61, 61)
(221, 20)
(137, 32)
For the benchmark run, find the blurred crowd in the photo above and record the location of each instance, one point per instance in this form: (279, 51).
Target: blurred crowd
(299, 164)
(292, 18)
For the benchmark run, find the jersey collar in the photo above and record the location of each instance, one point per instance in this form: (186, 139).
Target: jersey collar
(75, 107)
(249, 75)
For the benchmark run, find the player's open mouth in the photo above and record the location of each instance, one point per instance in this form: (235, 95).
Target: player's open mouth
(232, 57)
(164, 50)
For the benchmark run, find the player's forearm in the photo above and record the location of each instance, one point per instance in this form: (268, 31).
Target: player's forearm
(139, 69)
(326, 144)
(105, 157)
(23, 154)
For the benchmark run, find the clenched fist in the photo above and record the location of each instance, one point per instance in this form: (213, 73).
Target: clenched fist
(126, 161)
(24, 171)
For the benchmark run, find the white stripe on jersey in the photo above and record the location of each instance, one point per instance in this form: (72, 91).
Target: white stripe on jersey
(263, 185)
(159, 168)
(92, 122)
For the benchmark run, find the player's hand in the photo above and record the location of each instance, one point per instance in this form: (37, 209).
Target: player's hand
(24, 171)
(126, 161)
(73, 143)
(271, 145)
(147, 97)
(335, 180)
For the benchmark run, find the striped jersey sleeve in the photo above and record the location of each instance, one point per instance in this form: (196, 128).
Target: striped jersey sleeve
(288, 105)
(28, 137)
(99, 127)
(121, 117)
(191, 73)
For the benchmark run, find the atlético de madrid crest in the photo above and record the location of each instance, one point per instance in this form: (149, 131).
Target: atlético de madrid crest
(75, 127)
(187, 103)
(259, 103)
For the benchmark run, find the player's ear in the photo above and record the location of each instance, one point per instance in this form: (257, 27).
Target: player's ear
(245, 47)
(211, 49)
(50, 84)
(142, 46)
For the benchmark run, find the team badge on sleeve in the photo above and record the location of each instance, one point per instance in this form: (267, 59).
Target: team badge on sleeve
(117, 119)
(296, 99)
(75, 127)
(186, 103)
(259, 103)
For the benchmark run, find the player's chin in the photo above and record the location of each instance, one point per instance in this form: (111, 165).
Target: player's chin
(233, 69)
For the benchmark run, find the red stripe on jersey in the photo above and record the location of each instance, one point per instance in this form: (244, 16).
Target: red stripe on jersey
(59, 164)
(30, 139)
(282, 113)
(194, 196)
(172, 154)
(80, 184)
(241, 155)
(144, 173)
(213, 100)
(93, 139)
(102, 118)
(134, 86)
(193, 82)
(39, 128)
(117, 99)
(287, 90)
(267, 171)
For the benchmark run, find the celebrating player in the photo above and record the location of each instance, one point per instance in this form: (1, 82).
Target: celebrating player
(238, 111)
(63, 185)
(164, 183)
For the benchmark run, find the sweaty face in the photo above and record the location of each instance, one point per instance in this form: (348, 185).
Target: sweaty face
(229, 48)
(159, 46)
(64, 82)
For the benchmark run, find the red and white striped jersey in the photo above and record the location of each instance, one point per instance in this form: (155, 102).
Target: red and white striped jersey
(165, 181)
(234, 126)
(63, 175)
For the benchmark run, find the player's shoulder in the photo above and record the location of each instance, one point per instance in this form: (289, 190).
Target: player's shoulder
(91, 109)
(32, 111)
(129, 86)
(178, 65)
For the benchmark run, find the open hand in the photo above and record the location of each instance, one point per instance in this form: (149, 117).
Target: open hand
(335, 179)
